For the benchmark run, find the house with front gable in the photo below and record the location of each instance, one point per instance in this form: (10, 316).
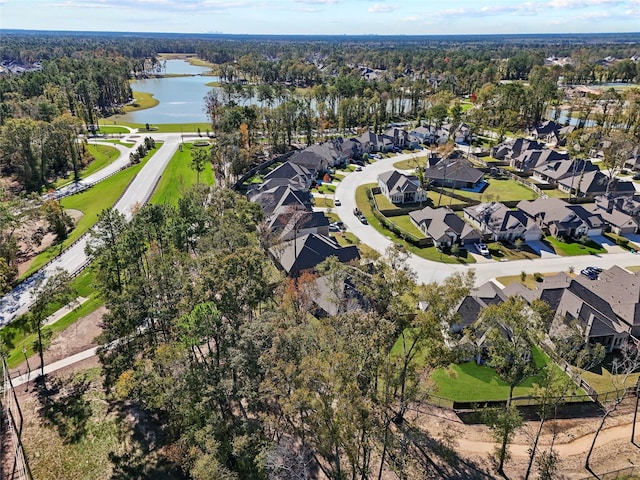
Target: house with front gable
(550, 132)
(402, 138)
(626, 204)
(532, 159)
(372, 142)
(514, 148)
(619, 222)
(501, 223)
(305, 252)
(312, 161)
(292, 171)
(561, 219)
(425, 134)
(452, 172)
(595, 183)
(605, 310)
(444, 227)
(553, 171)
(400, 188)
(277, 198)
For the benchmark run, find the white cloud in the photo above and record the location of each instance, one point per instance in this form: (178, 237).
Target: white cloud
(382, 8)
(412, 18)
(315, 2)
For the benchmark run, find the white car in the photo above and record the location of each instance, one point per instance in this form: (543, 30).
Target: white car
(482, 249)
(337, 202)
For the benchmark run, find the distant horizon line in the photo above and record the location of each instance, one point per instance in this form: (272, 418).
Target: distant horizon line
(333, 35)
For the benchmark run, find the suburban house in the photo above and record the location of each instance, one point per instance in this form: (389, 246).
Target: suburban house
(555, 170)
(605, 310)
(255, 188)
(619, 222)
(453, 173)
(402, 138)
(462, 134)
(633, 163)
(292, 171)
(306, 252)
(444, 227)
(286, 223)
(312, 161)
(337, 152)
(561, 219)
(513, 148)
(533, 158)
(496, 220)
(489, 293)
(401, 188)
(333, 298)
(594, 183)
(277, 198)
(425, 134)
(372, 142)
(551, 132)
(629, 205)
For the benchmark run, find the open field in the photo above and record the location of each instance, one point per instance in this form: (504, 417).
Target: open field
(179, 177)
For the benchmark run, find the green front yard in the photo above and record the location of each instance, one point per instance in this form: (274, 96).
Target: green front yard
(573, 248)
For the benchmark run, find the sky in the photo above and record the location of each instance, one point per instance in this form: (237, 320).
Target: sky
(325, 17)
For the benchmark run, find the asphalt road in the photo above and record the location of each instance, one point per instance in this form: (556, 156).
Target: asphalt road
(430, 271)
(17, 301)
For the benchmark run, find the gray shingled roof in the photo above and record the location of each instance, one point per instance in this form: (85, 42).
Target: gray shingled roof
(439, 221)
(397, 182)
(307, 251)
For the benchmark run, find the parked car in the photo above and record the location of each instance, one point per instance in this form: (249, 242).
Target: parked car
(357, 212)
(595, 269)
(333, 227)
(589, 274)
(482, 249)
(358, 168)
(337, 202)
(362, 219)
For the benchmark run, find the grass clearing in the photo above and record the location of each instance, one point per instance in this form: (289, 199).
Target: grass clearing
(16, 335)
(90, 202)
(469, 382)
(500, 190)
(179, 177)
(141, 101)
(112, 129)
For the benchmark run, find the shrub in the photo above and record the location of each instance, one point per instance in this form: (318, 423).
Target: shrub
(538, 277)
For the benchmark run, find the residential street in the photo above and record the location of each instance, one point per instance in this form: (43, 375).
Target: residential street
(429, 271)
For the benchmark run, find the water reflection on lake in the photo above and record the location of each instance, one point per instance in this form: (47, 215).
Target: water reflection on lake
(181, 98)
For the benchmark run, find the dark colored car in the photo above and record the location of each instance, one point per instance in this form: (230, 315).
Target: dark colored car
(589, 274)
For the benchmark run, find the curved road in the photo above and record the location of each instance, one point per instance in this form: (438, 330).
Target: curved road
(430, 271)
(17, 301)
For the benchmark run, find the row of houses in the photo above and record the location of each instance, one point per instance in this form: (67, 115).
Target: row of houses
(605, 310)
(579, 177)
(494, 221)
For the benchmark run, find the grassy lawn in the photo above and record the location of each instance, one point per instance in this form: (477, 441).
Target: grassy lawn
(555, 193)
(405, 223)
(179, 177)
(338, 177)
(499, 251)
(602, 381)
(442, 200)
(574, 248)
(90, 202)
(469, 382)
(326, 188)
(103, 155)
(500, 191)
(141, 101)
(111, 129)
(529, 281)
(430, 253)
(172, 127)
(411, 163)
(323, 202)
(17, 338)
(119, 142)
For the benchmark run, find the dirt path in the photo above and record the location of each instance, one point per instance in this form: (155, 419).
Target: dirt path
(574, 447)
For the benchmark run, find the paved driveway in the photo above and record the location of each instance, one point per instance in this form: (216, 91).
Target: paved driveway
(542, 249)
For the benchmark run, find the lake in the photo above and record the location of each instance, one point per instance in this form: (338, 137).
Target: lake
(181, 98)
